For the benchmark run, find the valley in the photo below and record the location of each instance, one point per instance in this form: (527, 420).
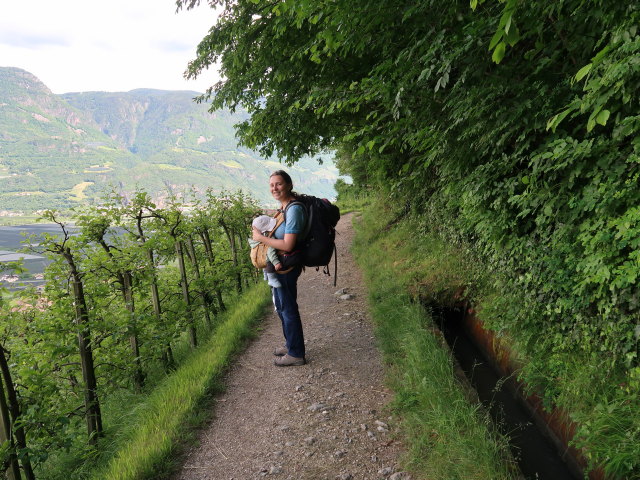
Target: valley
(62, 151)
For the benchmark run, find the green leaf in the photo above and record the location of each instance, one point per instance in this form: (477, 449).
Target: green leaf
(525, 180)
(600, 55)
(554, 121)
(513, 35)
(474, 4)
(496, 38)
(602, 117)
(582, 72)
(507, 23)
(498, 53)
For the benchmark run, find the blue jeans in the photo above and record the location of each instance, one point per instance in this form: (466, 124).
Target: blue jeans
(286, 305)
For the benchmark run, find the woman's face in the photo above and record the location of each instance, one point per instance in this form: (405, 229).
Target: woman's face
(279, 188)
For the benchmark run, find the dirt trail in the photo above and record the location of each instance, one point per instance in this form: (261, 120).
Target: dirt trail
(324, 420)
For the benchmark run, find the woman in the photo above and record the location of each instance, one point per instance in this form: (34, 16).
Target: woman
(285, 297)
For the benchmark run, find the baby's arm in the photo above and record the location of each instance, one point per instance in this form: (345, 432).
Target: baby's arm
(272, 255)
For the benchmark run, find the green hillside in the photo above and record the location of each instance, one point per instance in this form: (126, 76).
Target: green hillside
(59, 150)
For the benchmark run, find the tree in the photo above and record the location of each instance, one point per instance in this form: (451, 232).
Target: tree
(140, 211)
(63, 248)
(233, 213)
(10, 415)
(13, 439)
(9, 462)
(96, 225)
(8, 458)
(172, 221)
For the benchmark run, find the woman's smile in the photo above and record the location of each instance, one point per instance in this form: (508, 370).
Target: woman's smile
(278, 187)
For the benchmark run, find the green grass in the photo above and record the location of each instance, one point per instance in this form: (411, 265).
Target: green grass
(19, 220)
(230, 164)
(447, 433)
(159, 427)
(166, 166)
(77, 192)
(348, 205)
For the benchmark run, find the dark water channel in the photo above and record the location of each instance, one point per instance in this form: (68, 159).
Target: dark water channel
(536, 454)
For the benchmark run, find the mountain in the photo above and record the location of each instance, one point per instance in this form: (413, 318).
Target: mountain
(57, 151)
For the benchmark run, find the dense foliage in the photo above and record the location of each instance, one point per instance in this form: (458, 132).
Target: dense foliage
(126, 282)
(509, 126)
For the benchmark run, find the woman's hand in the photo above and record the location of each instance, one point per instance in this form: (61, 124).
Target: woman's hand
(257, 235)
(286, 245)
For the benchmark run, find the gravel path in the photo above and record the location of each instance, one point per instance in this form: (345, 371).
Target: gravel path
(324, 420)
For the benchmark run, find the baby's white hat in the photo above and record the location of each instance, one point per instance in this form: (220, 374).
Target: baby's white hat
(264, 223)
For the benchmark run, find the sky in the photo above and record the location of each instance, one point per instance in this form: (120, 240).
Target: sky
(105, 45)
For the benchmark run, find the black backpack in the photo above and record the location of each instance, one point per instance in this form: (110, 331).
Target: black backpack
(317, 243)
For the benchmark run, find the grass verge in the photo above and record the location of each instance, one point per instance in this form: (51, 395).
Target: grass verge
(19, 220)
(448, 435)
(159, 425)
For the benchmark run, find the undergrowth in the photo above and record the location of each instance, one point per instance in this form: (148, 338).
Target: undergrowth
(408, 262)
(147, 432)
(448, 435)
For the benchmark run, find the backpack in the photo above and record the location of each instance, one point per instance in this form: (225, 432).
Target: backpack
(317, 242)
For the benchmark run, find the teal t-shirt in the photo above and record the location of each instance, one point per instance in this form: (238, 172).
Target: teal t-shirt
(295, 222)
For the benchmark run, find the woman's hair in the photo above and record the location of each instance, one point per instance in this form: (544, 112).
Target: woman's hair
(283, 174)
(287, 178)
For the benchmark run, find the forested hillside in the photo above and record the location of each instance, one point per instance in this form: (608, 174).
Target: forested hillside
(508, 128)
(63, 150)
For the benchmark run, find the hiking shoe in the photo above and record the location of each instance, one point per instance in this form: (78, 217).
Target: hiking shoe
(289, 361)
(280, 351)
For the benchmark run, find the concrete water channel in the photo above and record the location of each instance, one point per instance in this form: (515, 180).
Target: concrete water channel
(536, 444)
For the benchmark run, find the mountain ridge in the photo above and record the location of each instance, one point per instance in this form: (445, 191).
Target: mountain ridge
(58, 151)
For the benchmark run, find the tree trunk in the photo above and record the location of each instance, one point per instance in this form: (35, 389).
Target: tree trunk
(241, 265)
(167, 355)
(10, 466)
(206, 298)
(193, 339)
(127, 292)
(234, 255)
(206, 241)
(208, 247)
(92, 405)
(14, 411)
(125, 279)
(221, 304)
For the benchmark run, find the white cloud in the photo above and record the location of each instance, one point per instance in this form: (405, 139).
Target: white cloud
(117, 45)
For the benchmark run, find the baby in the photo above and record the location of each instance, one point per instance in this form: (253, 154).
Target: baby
(265, 224)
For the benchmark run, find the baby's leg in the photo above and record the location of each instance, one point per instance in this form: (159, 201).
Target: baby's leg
(272, 280)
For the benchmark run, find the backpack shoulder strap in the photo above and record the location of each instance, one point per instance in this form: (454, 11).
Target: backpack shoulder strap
(279, 220)
(308, 213)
